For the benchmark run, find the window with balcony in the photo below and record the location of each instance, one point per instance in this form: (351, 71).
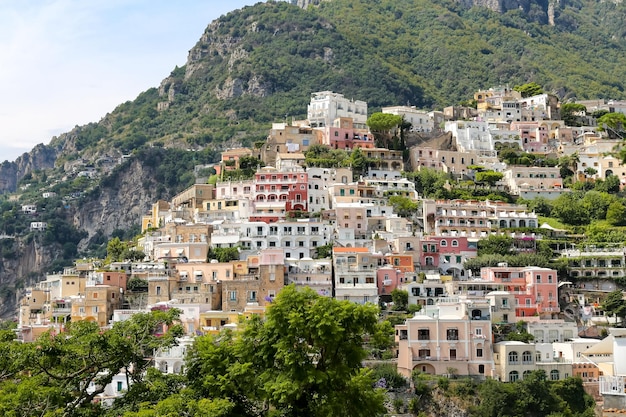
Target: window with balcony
(452, 334)
(424, 353)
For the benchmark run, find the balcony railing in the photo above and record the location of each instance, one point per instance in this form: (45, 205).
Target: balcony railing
(440, 359)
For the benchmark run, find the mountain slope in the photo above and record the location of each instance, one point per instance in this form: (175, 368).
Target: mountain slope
(260, 64)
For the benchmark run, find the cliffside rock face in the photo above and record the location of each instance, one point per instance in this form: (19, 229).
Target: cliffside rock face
(41, 157)
(306, 3)
(499, 6)
(24, 269)
(120, 203)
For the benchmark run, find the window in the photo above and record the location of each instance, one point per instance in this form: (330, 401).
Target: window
(549, 279)
(120, 386)
(538, 278)
(424, 353)
(452, 334)
(478, 331)
(94, 310)
(455, 243)
(481, 369)
(513, 376)
(513, 358)
(479, 353)
(443, 243)
(554, 375)
(252, 296)
(423, 334)
(232, 296)
(158, 290)
(527, 358)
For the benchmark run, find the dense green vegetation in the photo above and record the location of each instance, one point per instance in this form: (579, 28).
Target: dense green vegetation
(304, 359)
(426, 53)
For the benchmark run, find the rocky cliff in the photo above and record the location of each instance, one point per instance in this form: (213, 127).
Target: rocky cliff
(24, 263)
(40, 158)
(119, 202)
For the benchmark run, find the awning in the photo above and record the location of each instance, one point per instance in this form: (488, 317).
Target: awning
(197, 273)
(180, 251)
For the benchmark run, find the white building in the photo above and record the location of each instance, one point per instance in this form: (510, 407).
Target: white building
(421, 120)
(327, 106)
(38, 226)
(312, 273)
(172, 360)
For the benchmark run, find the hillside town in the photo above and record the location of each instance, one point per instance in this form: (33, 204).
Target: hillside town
(221, 250)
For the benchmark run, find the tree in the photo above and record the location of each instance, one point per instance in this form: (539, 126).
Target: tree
(247, 162)
(568, 209)
(115, 248)
(303, 360)
(519, 333)
(614, 121)
(529, 89)
(539, 205)
(568, 164)
(56, 371)
(616, 214)
(570, 113)
(383, 125)
(324, 251)
(590, 171)
(489, 177)
(223, 254)
(383, 122)
(614, 304)
(403, 206)
(400, 299)
(596, 204)
(495, 245)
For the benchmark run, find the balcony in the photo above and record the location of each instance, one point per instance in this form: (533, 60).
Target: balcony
(440, 359)
(387, 282)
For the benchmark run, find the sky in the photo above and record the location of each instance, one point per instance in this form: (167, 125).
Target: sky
(65, 63)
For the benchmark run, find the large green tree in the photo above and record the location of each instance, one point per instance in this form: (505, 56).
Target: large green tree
(529, 89)
(304, 359)
(614, 304)
(615, 121)
(62, 374)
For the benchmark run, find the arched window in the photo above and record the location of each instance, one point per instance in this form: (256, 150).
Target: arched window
(525, 374)
(527, 357)
(513, 376)
(513, 358)
(554, 375)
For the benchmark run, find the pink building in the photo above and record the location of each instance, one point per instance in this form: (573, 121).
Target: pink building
(343, 135)
(283, 190)
(451, 334)
(535, 289)
(388, 279)
(447, 253)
